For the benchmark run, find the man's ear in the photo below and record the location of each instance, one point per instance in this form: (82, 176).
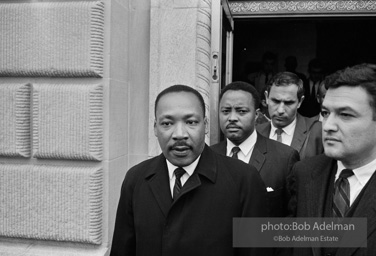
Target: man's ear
(266, 97)
(206, 122)
(155, 127)
(300, 102)
(258, 111)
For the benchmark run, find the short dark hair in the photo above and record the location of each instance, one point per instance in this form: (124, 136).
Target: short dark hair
(362, 75)
(316, 63)
(242, 86)
(269, 56)
(284, 79)
(180, 88)
(291, 62)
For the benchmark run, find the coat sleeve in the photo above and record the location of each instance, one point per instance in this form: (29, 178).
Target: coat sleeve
(124, 239)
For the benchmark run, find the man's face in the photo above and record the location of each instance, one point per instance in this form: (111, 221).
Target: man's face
(237, 115)
(180, 127)
(268, 65)
(283, 104)
(349, 131)
(316, 74)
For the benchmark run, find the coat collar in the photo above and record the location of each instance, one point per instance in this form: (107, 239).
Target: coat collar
(157, 178)
(258, 155)
(318, 186)
(300, 133)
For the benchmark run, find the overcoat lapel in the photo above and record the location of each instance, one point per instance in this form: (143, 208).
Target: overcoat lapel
(300, 133)
(159, 183)
(206, 167)
(258, 158)
(316, 192)
(318, 187)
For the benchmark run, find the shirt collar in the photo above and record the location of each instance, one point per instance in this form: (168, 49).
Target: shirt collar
(245, 146)
(189, 169)
(362, 174)
(289, 130)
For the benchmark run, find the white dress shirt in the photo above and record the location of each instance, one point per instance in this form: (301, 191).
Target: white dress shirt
(359, 179)
(246, 148)
(287, 134)
(188, 172)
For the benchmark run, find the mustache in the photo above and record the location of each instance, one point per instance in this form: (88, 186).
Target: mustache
(232, 125)
(180, 144)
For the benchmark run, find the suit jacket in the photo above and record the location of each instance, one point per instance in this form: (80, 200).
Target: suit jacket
(274, 162)
(307, 138)
(199, 221)
(310, 106)
(309, 185)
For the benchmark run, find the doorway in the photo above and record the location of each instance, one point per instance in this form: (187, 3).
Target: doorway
(337, 41)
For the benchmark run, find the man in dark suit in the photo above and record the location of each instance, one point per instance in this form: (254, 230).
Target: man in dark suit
(311, 106)
(183, 201)
(238, 110)
(349, 163)
(284, 95)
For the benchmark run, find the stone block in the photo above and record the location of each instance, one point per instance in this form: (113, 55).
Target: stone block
(52, 39)
(68, 121)
(15, 120)
(60, 203)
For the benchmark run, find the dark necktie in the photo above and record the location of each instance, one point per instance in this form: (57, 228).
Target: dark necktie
(266, 78)
(235, 151)
(177, 187)
(341, 197)
(279, 132)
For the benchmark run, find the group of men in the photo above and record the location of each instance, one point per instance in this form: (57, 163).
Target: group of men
(183, 201)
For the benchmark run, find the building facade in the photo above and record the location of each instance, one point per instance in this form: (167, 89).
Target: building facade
(78, 81)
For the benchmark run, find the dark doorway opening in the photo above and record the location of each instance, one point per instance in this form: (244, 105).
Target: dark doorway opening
(338, 41)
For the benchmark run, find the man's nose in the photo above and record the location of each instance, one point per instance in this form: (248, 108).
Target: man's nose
(180, 131)
(329, 123)
(281, 108)
(233, 116)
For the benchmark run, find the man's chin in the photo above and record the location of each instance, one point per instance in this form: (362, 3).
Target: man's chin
(233, 136)
(332, 153)
(279, 123)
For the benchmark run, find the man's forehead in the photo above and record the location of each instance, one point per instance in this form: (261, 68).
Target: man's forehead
(171, 102)
(285, 89)
(346, 96)
(182, 95)
(236, 96)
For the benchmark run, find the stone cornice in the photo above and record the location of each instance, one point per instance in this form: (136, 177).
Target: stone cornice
(301, 7)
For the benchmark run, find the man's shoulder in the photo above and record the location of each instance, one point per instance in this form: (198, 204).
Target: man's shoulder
(220, 147)
(144, 166)
(310, 164)
(233, 166)
(273, 145)
(263, 128)
(311, 123)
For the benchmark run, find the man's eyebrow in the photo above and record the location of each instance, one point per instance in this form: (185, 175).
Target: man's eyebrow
(346, 108)
(285, 101)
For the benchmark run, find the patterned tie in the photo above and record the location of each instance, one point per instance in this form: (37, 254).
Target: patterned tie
(235, 151)
(177, 187)
(279, 132)
(341, 197)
